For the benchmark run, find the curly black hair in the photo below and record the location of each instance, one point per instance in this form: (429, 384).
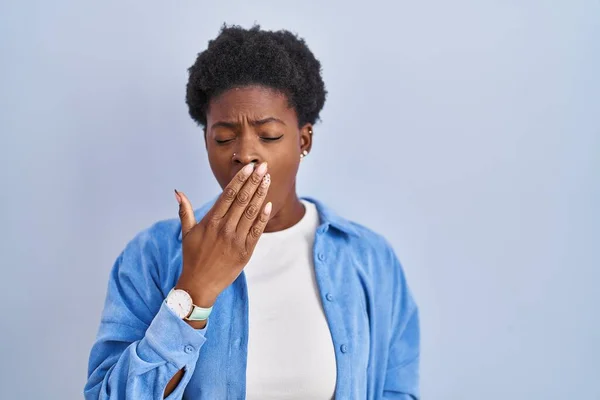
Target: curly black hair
(240, 57)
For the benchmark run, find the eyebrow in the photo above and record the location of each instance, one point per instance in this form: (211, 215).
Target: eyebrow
(259, 122)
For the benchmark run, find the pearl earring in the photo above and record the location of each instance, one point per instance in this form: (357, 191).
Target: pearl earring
(303, 154)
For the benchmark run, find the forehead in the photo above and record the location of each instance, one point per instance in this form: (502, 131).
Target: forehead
(253, 102)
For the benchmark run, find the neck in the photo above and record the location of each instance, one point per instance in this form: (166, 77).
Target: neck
(289, 215)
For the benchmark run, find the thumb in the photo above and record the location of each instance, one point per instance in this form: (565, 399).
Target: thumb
(186, 213)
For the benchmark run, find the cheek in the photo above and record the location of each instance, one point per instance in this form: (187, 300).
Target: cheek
(283, 175)
(219, 168)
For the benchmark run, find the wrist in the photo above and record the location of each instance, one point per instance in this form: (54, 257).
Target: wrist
(197, 324)
(180, 301)
(199, 296)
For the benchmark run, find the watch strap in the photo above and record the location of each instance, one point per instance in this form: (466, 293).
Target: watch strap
(199, 313)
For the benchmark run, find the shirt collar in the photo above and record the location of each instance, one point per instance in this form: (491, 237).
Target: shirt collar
(326, 215)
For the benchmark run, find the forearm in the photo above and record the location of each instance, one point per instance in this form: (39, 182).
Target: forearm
(179, 374)
(124, 368)
(173, 383)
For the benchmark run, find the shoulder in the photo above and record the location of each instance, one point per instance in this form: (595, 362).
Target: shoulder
(363, 242)
(165, 234)
(373, 249)
(369, 237)
(149, 260)
(370, 256)
(146, 257)
(155, 237)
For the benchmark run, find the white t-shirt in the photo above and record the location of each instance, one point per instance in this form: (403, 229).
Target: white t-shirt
(290, 350)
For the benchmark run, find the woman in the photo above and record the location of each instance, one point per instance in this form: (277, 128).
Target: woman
(258, 294)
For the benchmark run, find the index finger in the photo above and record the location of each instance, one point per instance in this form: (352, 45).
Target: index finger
(226, 198)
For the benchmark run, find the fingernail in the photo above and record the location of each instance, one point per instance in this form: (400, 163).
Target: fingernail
(266, 180)
(177, 196)
(262, 168)
(268, 208)
(247, 170)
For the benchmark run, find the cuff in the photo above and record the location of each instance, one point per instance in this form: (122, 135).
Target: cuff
(172, 338)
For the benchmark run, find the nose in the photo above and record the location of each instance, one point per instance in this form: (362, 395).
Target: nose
(244, 158)
(245, 152)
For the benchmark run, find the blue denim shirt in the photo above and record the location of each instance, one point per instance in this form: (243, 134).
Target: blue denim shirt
(141, 343)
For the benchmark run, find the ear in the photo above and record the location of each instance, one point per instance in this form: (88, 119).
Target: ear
(306, 134)
(205, 143)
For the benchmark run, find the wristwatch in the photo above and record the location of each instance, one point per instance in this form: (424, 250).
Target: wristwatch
(180, 302)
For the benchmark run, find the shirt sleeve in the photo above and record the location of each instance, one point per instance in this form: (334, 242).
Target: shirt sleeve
(402, 374)
(140, 343)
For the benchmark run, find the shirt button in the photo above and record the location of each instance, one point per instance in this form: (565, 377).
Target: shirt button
(188, 349)
(329, 297)
(321, 256)
(344, 348)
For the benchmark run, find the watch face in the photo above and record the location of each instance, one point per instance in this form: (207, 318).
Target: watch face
(180, 302)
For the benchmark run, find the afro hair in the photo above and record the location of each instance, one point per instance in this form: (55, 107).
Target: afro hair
(240, 57)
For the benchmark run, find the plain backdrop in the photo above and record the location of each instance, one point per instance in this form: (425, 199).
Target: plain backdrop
(466, 132)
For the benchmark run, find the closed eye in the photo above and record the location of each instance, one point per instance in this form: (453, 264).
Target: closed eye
(223, 141)
(271, 139)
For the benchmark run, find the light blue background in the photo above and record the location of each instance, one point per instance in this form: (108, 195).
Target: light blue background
(467, 132)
